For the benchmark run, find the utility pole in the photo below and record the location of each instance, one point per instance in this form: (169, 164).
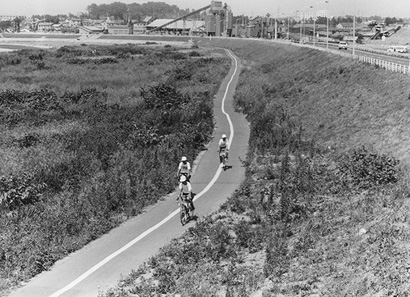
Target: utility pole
(354, 34)
(327, 27)
(354, 27)
(276, 29)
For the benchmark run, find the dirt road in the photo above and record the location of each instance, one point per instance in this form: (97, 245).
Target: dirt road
(100, 264)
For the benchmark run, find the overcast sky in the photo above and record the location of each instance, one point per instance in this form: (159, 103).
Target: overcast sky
(391, 8)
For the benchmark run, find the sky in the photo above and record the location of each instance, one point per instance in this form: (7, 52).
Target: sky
(391, 8)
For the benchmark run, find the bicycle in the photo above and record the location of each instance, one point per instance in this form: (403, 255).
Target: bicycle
(186, 213)
(223, 157)
(188, 176)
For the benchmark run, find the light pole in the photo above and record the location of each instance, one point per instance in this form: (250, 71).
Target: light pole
(300, 27)
(354, 35)
(288, 27)
(283, 14)
(314, 30)
(327, 27)
(314, 23)
(276, 30)
(354, 27)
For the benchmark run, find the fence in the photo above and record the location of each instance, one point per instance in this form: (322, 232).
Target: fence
(394, 67)
(390, 66)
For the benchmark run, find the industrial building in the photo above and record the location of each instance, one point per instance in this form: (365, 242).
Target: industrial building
(218, 22)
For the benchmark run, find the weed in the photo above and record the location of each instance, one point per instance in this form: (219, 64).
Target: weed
(367, 169)
(74, 183)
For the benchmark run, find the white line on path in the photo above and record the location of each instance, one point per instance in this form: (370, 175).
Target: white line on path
(153, 228)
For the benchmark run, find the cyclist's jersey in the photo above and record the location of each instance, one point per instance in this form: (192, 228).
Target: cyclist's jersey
(186, 188)
(223, 145)
(185, 168)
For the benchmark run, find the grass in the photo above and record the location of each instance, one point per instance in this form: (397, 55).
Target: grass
(81, 143)
(321, 214)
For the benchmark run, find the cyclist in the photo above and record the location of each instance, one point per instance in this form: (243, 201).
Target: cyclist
(185, 190)
(184, 168)
(223, 148)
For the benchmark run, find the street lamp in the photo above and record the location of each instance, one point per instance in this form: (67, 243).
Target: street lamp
(314, 30)
(288, 27)
(300, 27)
(327, 27)
(354, 27)
(276, 29)
(314, 24)
(287, 34)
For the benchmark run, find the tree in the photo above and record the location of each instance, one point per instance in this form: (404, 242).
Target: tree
(333, 22)
(118, 10)
(93, 11)
(388, 21)
(5, 25)
(17, 22)
(321, 20)
(136, 11)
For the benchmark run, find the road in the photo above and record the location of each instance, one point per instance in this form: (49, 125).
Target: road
(99, 265)
(380, 56)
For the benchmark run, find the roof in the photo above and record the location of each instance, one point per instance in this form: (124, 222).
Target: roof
(160, 22)
(91, 28)
(187, 24)
(118, 27)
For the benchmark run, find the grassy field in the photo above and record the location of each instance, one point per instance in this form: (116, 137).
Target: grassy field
(90, 135)
(324, 209)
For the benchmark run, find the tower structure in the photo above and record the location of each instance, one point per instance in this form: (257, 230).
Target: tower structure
(218, 20)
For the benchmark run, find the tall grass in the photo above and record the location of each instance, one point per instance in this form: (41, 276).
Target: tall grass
(82, 148)
(322, 214)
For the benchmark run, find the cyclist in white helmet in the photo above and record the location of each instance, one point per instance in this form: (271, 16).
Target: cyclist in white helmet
(185, 191)
(184, 168)
(223, 148)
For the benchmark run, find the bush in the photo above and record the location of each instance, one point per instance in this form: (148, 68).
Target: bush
(194, 54)
(367, 169)
(17, 191)
(116, 148)
(163, 96)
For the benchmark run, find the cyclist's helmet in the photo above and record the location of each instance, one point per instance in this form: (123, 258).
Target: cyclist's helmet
(182, 178)
(183, 159)
(223, 135)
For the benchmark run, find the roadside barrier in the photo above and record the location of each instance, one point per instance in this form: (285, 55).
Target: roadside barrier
(394, 67)
(389, 66)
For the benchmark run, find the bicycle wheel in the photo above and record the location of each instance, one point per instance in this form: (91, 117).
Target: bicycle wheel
(183, 215)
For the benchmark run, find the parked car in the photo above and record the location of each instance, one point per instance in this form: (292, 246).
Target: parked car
(397, 48)
(343, 45)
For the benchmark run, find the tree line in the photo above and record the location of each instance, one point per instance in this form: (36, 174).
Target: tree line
(135, 11)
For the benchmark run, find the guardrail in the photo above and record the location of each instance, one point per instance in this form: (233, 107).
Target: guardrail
(389, 66)
(394, 67)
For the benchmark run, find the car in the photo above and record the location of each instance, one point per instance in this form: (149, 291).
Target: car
(343, 45)
(397, 48)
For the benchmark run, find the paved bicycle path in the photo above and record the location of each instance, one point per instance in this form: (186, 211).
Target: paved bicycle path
(101, 264)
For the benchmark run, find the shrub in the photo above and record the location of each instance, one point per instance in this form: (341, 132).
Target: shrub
(9, 59)
(367, 169)
(163, 96)
(116, 154)
(17, 191)
(194, 54)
